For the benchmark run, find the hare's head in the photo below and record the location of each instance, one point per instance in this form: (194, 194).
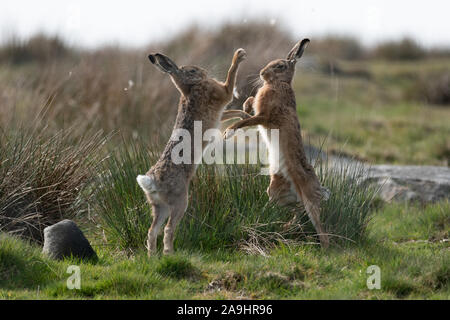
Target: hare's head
(183, 77)
(284, 69)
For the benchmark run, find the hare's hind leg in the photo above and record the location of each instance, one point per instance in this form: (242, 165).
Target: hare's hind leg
(311, 195)
(160, 213)
(280, 192)
(313, 211)
(309, 189)
(176, 213)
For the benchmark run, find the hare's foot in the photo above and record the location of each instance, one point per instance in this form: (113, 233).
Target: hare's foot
(168, 241)
(324, 241)
(240, 55)
(160, 213)
(151, 247)
(168, 251)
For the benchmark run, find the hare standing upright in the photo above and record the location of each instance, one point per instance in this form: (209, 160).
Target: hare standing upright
(166, 183)
(275, 108)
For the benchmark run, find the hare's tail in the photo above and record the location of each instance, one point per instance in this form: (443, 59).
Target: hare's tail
(146, 183)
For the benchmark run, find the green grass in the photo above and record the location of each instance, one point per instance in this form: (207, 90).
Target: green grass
(407, 222)
(409, 270)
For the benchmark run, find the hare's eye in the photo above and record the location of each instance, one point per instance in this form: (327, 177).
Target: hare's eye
(192, 71)
(280, 66)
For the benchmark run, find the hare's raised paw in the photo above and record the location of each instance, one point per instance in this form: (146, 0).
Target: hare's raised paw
(248, 104)
(240, 55)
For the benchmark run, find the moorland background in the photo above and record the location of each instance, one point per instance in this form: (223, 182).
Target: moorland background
(78, 125)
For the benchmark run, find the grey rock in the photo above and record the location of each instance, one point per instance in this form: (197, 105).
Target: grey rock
(411, 183)
(402, 182)
(65, 239)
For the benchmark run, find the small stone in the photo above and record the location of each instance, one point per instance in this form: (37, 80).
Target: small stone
(65, 239)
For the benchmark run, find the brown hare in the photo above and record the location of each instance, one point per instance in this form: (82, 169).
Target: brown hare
(292, 177)
(166, 183)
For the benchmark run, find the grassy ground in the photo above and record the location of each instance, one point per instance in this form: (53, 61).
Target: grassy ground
(404, 241)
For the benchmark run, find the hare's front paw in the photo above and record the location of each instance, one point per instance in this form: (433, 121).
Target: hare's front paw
(240, 55)
(248, 104)
(228, 133)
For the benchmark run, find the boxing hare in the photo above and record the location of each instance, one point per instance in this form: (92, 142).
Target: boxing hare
(166, 183)
(275, 108)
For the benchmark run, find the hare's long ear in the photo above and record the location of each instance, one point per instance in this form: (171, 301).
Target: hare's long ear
(297, 51)
(164, 63)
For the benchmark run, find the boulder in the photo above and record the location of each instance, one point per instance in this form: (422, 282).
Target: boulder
(65, 239)
(411, 183)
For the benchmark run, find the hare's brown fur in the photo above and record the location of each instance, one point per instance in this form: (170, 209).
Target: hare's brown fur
(166, 183)
(275, 108)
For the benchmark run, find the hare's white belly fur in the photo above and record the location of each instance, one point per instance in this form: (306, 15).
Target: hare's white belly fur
(277, 160)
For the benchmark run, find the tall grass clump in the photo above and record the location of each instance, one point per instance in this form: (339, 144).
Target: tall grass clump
(338, 47)
(228, 205)
(38, 48)
(347, 212)
(404, 49)
(118, 203)
(432, 89)
(222, 201)
(345, 215)
(226, 201)
(41, 177)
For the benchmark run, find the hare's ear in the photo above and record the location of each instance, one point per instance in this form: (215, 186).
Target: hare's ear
(297, 51)
(164, 63)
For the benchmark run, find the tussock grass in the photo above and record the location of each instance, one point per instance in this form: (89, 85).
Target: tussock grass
(39, 48)
(404, 49)
(118, 202)
(176, 267)
(228, 205)
(42, 176)
(349, 209)
(432, 88)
